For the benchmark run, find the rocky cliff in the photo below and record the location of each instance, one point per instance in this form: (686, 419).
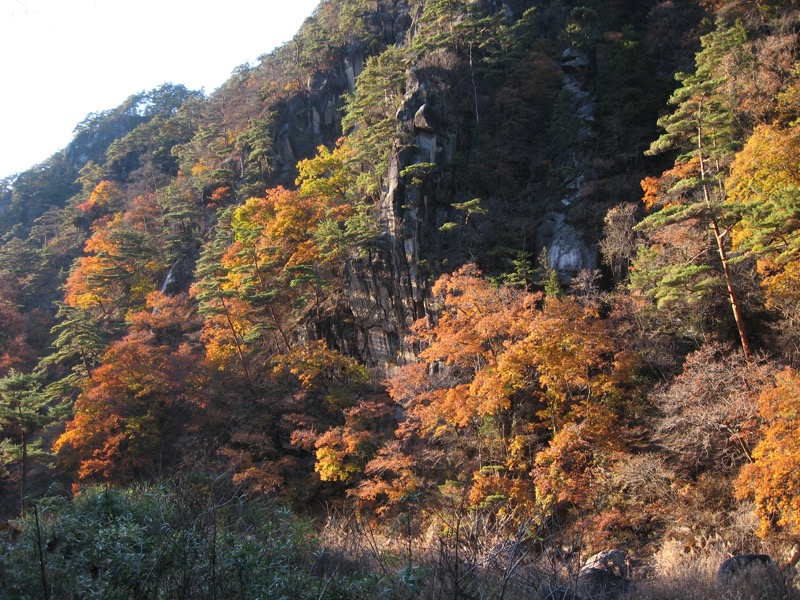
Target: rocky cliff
(457, 150)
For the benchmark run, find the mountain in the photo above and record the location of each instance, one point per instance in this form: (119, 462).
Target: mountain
(530, 260)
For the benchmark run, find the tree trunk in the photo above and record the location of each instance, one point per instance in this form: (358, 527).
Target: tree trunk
(23, 476)
(719, 238)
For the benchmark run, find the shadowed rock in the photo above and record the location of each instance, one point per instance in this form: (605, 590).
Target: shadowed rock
(613, 561)
(599, 584)
(558, 593)
(604, 576)
(753, 576)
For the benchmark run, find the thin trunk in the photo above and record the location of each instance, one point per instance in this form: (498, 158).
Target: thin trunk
(474, 87)
(275, 320)
(723, 256)
(24, 474)
(213, 548)
(236, 342)
(86, 364)
(42, 570)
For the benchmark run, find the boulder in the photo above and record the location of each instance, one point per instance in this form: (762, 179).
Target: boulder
(599, 584)
(604, 576)
(752, 576)
(424, 119)
(614, 561)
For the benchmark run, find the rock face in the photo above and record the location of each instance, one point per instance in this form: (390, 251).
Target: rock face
(388, 283)
(388, 289)
(567, 250)
(385, 288)
(179, 276)
(312, 118)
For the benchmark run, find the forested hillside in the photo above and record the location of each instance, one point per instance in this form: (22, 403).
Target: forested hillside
(436, 300)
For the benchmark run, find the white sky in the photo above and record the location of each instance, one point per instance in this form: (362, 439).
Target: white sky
(63, 59)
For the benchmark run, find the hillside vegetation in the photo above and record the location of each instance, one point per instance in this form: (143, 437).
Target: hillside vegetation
(436, 300)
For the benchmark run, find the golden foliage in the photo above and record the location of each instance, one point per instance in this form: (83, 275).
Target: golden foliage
(106, 196)
(121, 263)
(501, 364)
(772, 480)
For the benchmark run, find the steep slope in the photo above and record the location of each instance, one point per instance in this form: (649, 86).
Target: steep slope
(319, 194)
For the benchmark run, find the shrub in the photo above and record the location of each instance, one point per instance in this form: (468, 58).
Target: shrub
(199, 539)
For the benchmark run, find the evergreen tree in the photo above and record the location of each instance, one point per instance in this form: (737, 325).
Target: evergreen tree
(691, 196)
(78, 346)
(24, 412)
(371, 114)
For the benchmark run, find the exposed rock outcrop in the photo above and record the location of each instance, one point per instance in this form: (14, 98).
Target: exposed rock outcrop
(388, 290)
(313, 117)
(567, 249)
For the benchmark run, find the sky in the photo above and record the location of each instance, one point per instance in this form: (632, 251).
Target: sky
(63, 59)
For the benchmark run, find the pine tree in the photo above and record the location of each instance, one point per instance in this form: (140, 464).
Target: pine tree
(25, 410)
(703, 129)
(79, 342)
(371, 114)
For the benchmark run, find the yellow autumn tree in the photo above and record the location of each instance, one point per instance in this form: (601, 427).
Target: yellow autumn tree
(764, 188)
(276, 261)
(772, 480)
(122, 262)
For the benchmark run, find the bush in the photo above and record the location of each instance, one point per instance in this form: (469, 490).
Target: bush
(193, 540)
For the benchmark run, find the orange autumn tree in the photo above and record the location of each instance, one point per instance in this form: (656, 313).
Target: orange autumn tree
(122, 262)
(449, 398)
(772, 480)
(500, 374)
(452, 385)
(274, 269)
(134, 405)
(583, 369)
(105, 197)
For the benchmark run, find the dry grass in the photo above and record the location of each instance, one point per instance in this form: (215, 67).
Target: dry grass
(678, 572)
(465, 556)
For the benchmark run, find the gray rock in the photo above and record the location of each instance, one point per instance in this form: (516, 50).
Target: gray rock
(753, 577)
(567, 251)
(424, 119)
(599, 584)
(614, 561)
(574, 60)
